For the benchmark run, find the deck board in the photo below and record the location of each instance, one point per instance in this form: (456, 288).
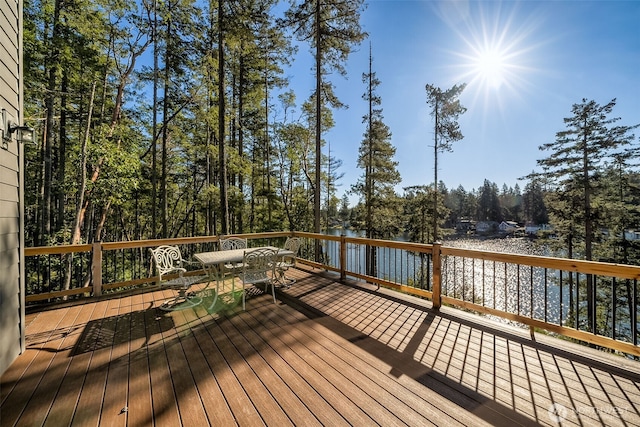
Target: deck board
(61, 411)
(325, 354)
(231, 390)
(277, 404)
(36, 390)
(189, 404)
(140, 410)
(116, 387)
(96, 343)
(164, 403)
(312, 390)
(385, 374)
(213, 401)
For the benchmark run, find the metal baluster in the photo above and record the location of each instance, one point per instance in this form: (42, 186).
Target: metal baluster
(546, 307)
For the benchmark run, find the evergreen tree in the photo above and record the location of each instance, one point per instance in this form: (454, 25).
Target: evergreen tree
(332, 178)
(574, 167)
(376, 185)
(257, 51)
(488, 203)
(445, 110)
(511, 203)
(534, 209)
(578, 155)
(621, 199)
(417, 218)
(344, 212)
(418, 213)
(460, 204)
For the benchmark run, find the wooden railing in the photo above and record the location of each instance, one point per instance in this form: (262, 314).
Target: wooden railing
(55, 272)
(588, 301)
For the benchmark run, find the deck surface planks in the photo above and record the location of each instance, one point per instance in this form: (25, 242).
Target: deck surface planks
(45, 372)
(325, 354)
(68, 393)
(140, 411)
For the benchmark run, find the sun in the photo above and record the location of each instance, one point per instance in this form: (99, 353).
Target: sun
(490, 65)
(492, 68)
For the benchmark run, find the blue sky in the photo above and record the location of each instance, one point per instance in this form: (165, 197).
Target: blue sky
(525, 65)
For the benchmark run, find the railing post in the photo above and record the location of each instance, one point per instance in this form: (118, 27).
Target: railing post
(343, 257)
(96, 268)
(437, 275)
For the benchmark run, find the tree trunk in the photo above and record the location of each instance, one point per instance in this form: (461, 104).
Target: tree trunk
(369, 264)
(165, 126)
(52, 89)
(154, 137)
(435, 174)
(62, 154)
(101, 222)
(224, 202)
(316, 190)
(77, 224)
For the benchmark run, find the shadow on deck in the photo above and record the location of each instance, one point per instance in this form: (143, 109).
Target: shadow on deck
(326, 354)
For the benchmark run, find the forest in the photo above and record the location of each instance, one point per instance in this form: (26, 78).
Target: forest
(168, 119)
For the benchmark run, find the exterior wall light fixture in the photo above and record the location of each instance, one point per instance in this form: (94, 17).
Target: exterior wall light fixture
(23, 133)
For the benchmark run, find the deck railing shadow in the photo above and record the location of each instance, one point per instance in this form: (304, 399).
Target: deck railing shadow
(103, 333)
(511, 372)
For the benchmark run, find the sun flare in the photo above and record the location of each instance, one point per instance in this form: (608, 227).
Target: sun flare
(497, 53)
(491, 67)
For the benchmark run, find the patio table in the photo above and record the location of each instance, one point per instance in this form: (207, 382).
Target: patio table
(213, 262)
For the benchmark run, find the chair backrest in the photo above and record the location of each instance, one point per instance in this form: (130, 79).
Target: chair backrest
(293, 244)
(167, 259)
(230, 243)
(257, 262)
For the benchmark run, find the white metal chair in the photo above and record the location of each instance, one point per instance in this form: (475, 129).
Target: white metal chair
(168, 261)
(288, 261)
(228, 244)
(259, 267)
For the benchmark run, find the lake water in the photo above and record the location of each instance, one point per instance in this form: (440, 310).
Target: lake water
(517, 289)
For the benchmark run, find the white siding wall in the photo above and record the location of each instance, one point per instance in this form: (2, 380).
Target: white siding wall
(11, 238)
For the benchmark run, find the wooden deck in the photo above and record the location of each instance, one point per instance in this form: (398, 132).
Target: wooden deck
(325, 354)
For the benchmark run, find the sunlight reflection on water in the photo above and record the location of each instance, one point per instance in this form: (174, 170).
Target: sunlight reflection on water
(531, 292)
(522, 245)
(508, 287)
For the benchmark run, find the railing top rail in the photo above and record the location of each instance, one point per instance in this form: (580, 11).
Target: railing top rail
(580, 266)
(60, 249)
(409, 246)
(316, 236)
(157, 242)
